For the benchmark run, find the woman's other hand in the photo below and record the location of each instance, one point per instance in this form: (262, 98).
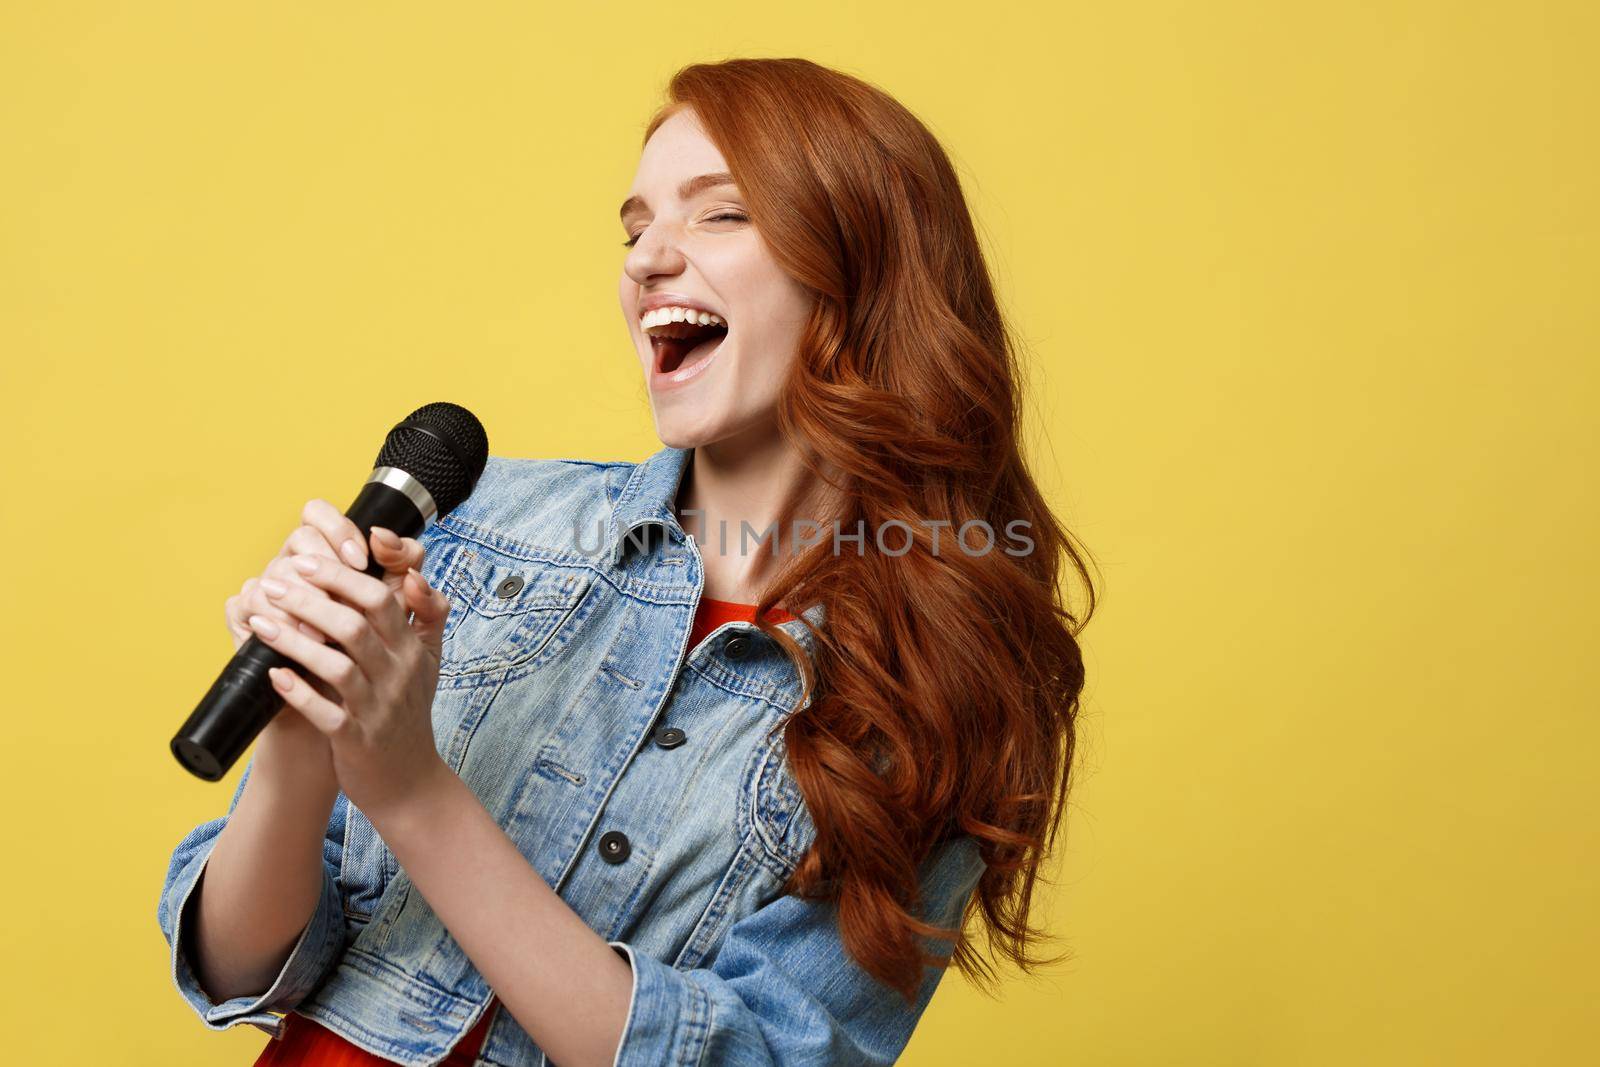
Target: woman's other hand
(324, 531)
(371, 694)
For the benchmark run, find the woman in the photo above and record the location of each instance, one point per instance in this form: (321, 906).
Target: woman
(727, 794)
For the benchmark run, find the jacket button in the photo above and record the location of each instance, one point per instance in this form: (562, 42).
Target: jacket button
(736, 647)
(614, 847)
(510, 587)
(670, 737)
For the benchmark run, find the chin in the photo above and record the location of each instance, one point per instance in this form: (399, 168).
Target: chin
(695, 429)
(686, 430)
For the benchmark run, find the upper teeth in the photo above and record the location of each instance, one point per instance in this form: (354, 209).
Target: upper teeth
(662, 316)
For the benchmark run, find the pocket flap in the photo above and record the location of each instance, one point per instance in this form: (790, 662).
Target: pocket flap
(504, 610)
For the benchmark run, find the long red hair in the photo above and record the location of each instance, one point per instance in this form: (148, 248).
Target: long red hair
(945, 688)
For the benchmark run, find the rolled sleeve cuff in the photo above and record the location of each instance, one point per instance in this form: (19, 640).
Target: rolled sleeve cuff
(313, 956)
(669, 1015)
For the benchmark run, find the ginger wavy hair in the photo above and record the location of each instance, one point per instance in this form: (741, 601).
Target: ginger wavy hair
(945, 686)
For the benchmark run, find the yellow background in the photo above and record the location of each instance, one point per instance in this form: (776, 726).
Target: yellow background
(1309, 297)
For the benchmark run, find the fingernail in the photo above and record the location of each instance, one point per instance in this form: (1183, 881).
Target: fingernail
(352, 554)
(305, 564)
(263, 626)
(272, 587)
(384, 534)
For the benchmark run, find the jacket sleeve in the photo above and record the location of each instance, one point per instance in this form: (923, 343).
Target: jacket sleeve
(312, 957)
(783, 989)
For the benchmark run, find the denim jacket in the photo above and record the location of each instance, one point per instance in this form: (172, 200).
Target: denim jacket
(644, 780)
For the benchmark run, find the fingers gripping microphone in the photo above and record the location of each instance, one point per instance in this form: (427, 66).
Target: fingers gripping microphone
(428, 464)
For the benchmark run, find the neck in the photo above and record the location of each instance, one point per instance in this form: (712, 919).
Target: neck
(756, 478)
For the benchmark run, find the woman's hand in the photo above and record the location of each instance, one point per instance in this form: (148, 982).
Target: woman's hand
(375, 700)
(323, 531)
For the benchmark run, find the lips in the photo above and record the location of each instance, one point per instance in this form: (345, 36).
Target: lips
(676, 344)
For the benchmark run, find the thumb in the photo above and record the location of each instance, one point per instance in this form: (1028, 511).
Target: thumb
(395, 554)
(428, 608)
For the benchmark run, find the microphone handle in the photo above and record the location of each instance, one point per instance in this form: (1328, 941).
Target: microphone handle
(242, 701)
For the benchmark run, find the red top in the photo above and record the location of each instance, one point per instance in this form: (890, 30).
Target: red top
(713, 613)
(307, 1043)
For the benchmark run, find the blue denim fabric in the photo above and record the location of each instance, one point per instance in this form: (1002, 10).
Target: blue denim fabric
(573, 589)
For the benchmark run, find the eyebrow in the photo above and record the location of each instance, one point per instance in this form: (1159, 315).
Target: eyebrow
(693, 187)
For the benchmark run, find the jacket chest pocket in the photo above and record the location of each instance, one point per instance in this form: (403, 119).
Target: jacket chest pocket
(507, 612)
(776, 812)
(775, 830)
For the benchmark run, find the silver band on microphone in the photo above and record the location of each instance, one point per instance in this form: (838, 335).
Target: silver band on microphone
(395, 478)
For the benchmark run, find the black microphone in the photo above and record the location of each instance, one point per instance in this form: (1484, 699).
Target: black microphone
(428, 464)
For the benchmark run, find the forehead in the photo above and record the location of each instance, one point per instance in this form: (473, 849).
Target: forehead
(678, 149)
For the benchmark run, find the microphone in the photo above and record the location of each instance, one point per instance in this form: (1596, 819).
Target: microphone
(428, 464)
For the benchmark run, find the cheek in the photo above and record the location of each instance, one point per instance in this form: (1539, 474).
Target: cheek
(772, 340)
(781, 346)
(760, 372)
(764, 356)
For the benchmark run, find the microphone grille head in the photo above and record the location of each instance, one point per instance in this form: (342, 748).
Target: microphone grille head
(441, 445)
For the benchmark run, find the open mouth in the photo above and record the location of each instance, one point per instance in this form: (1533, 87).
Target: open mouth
(678, 345)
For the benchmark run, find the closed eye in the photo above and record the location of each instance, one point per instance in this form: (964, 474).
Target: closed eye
(726, 216)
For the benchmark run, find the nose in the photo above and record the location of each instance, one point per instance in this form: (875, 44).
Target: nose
(656, 253)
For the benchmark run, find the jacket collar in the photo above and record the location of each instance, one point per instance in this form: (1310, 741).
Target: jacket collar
(650, 496)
